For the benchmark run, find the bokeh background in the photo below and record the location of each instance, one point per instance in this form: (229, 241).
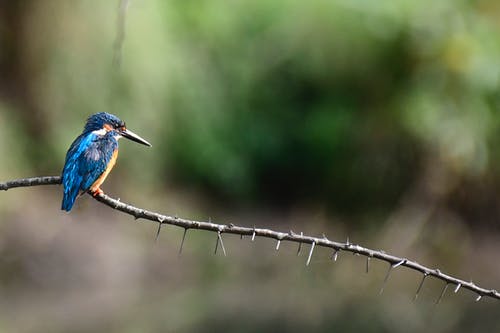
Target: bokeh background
(373, 120)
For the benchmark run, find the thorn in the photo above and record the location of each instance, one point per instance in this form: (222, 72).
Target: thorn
(442, 293)
(253, 234)
(310, 253)
(182, 242)
(278, 244)
(219, 240)
(160, 222)
(420, 286)
(216, 243)
(399, 263)
(457, 288)
(385, 279)
(368, 264)
(300, 244)
(335, 254)
(478, 298)
(389, 271)
(241, 236)
(158, 231)
(347, 241)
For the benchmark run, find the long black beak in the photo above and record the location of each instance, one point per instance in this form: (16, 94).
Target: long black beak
(134, 137)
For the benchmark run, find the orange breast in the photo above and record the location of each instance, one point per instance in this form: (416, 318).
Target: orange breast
(102, 177)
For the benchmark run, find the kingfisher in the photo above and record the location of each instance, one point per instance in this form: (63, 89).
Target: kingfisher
(92, 155)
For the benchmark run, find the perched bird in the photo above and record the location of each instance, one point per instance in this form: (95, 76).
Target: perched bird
(92, 155)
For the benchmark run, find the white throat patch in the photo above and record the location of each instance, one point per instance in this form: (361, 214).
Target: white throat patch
(103, 132)
(100, 132)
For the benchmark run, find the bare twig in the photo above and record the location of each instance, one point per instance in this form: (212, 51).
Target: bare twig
(393, 261)
(120, 33)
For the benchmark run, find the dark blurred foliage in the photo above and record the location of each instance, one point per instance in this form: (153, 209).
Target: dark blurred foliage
(331, 102)
(378, 118)
(297, 127)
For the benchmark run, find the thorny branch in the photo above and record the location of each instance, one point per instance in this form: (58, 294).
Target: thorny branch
(323, 241)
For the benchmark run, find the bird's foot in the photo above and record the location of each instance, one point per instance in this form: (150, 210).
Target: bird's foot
(96, 192)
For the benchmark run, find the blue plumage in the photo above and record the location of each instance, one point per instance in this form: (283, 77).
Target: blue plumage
(86, 160)
(92, 155)
(98, 120)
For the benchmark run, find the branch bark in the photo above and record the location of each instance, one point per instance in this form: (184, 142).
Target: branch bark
(393, 261)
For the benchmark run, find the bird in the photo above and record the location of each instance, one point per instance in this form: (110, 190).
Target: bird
(92, 155)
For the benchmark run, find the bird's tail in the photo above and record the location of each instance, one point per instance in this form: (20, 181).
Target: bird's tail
(67, 202)
(69, 197)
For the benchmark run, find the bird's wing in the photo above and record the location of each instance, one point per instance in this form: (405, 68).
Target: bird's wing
(86, 160)
(93, 163)
(73, 174)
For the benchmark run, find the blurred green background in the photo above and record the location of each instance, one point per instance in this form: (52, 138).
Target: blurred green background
(373, 120)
